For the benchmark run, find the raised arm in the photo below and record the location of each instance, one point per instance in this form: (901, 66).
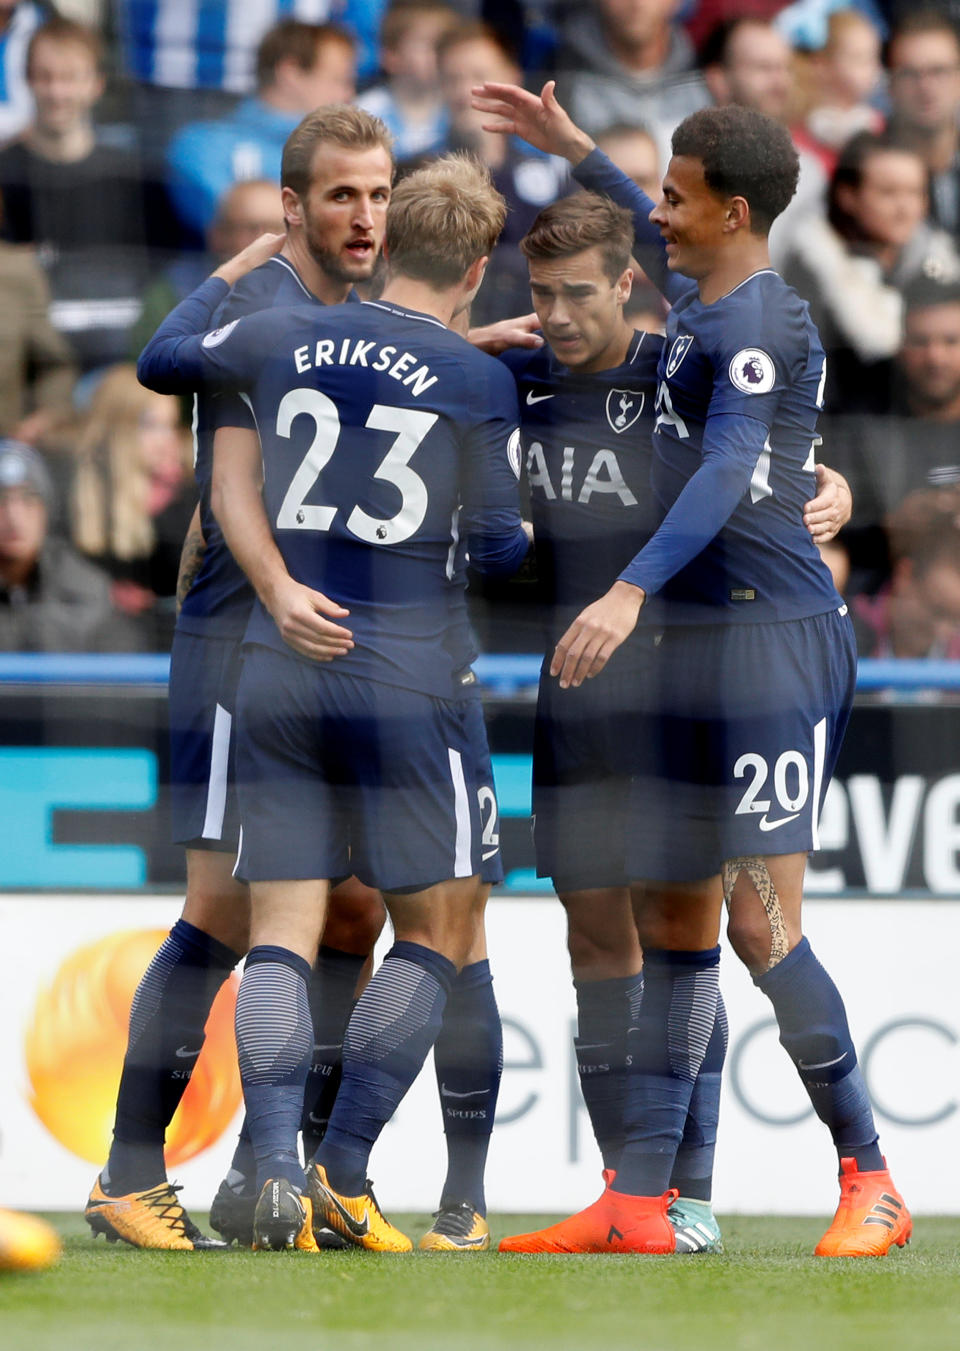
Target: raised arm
(542, 122)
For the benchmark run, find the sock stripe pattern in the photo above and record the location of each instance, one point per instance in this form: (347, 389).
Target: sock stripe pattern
(693, 1012)
(403, 996)
(150, 992)
(274, 1030)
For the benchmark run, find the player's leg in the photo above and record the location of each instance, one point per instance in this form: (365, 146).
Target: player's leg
(789, 744)
(173, 1000)
(415, 761)
(395, 1023)
(468, 1060)
(344, 964)
(295, 835)
(691, 1214)
(764, 896)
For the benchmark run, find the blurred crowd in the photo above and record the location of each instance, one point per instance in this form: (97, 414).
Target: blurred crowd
(140, 143)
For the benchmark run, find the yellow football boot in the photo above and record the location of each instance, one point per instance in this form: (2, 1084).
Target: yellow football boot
(358, 1219)
(147, 1219)
(456, 1228)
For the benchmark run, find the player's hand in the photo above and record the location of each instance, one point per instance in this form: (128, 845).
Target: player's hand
(537, 118)
(254, 255)
(595, 635)
(507, 333)
(305, 619)
(832, 507)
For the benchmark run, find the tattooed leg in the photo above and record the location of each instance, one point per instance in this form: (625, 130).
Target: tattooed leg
(758, 873)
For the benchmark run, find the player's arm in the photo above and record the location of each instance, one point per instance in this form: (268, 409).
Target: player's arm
(497, 537)
(540, 120)
(732, 445)
(191, 556)
(827, 513)
(177, 359)
(304, 618)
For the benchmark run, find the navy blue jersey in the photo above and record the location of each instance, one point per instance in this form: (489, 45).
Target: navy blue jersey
(740, 387)
(586, 450)
(219, 601)
(386, 437)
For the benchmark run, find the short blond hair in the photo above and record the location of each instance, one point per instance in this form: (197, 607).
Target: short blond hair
(338, 123)
(442, 218)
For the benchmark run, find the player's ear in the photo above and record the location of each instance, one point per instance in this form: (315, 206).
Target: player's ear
(625, 286)
(292, 208)
(738, 213)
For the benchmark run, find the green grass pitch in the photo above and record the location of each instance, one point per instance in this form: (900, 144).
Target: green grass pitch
(766, 1293)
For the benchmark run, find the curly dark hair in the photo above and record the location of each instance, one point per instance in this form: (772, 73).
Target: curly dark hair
(744, 154)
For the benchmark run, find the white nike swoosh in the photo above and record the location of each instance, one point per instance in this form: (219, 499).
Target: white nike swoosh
(764, 824)
(489, 854)
(823, 1065)
(536, 398)
(185, 1053)
(449, 1093)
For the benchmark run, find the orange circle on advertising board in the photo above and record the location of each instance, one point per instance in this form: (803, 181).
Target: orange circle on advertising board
(77, 1038)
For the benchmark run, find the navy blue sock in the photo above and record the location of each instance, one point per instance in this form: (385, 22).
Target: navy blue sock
(331, 990)
(242, 1173)
(667, 1047)
(468, 1058)
(693, 1167)
(606, 1009)
(167, 1022)
(274, 1039)
(815, 1035)
(396, 1021)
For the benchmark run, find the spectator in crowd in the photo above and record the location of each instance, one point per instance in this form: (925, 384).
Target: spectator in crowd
(842, 77)
(923, 58)
(634, 150)
(84, 206)
(630, 61)
(747, 62)
(467, 56)
(299, 67)
(915, 442)
(19, 20)
(247, 210)
(701, 18)
(409, 101)
(853, 266)
(917, 613)
(51, 599)
(132, 497)
(36, 365)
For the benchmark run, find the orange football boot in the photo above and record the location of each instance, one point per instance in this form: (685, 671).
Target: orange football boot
(870, 1218)
(615, 1223)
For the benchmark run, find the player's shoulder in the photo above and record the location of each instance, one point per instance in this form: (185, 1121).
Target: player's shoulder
(275, 282)
(528, 364)
(763, 315)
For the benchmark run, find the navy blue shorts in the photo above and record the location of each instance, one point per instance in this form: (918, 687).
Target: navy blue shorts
(201, 700)
(588, 743)
(339, 774)
(751, 721)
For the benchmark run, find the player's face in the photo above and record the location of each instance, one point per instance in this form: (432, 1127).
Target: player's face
(930, 355)
(345, 210)
(691, 218)
(580, 309)
(64, 83)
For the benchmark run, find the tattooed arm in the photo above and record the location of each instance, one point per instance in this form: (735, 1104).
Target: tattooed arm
(191, 556)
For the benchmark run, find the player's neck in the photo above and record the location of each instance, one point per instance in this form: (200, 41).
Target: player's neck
(614, 354)
(64, 147)
(732, 267)
(331, 290)
(411, 294)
